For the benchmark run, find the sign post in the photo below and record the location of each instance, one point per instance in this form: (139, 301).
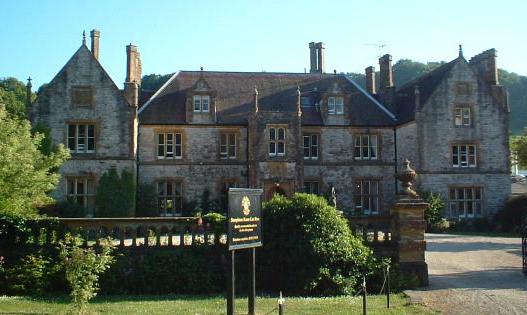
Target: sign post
(244, 232)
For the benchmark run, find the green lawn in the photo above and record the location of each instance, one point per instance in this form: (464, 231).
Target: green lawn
(210, 305)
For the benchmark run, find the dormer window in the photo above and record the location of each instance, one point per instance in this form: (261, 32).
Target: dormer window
(336, 105)
(201, 103)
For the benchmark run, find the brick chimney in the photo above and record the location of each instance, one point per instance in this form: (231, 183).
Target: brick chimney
(316, 55)
(95, 36)
(486, 66)
(370, 80)
(133, 75)
(386, 73)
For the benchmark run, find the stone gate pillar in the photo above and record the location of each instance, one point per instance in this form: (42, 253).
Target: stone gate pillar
(409, 229)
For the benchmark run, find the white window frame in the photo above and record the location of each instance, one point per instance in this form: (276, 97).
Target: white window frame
(363, 194)
(366, 147)
(169, 144)
(462, 116)
(339, 105)
(277, 137)
(201, 103)
(464, 155)
(229, 146)
(466, 202)
(80, 140)
(331, 105)
(310, 146)
(174, 197)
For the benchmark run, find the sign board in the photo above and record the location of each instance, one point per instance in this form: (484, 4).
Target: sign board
(244, 217)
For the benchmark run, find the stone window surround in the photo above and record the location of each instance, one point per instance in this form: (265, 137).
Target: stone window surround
(482, 200)
(237, 134)
(306, 133)
(268, 137)
(471, 114)
(181, 181)
(467, 143)
(93, 122)
(93, 180)
(75, 91)
(161, 130)
(314, 179)
(379, 145)
(462, 88)
(380, 196)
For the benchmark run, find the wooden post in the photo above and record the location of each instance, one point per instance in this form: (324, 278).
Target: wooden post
(231, 298)
(252, 282)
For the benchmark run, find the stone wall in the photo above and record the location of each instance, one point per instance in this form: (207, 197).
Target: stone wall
(435, 132)
(113, 117)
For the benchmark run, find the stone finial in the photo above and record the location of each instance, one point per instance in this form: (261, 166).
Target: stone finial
(334, 196)
(29, 85)
(84, 38)
(460, 51)
(406, 176)
(298, 101)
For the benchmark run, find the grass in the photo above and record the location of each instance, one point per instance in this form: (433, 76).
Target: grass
(170, 304)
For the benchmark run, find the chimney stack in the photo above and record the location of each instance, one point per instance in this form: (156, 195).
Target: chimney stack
(386, 73)
(133, 75)
(95, 35)
(370, 80)
(316, 55)
(486, 66)
(133, 64)
(312, 57)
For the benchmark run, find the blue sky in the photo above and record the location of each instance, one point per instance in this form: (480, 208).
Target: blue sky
(38, 37)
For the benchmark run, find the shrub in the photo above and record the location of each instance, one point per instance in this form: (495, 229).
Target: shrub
(192, 270)
(434, 212)
(310, 249)
(217, 222)
(116, 194)
(513, 213)
(34, 274)
(83, 267)
(146, 200)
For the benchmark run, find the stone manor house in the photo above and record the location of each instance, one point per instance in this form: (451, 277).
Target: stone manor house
(284, 132)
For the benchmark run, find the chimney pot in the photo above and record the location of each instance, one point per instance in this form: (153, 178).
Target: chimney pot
(95, 36)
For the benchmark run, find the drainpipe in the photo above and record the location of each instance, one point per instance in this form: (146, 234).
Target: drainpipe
(395, 157)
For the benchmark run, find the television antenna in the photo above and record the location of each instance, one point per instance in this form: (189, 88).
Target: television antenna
(379, 46)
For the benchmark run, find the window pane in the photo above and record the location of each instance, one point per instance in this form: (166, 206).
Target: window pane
(71, 186)
(272, 133)
(306, 141)
(281, 148)
(272, 147)
(178, 138)
(71, 137)
(91, 137)
(281, 134)
(205, 103)
(178, 151)
(314, 151)
(232, 150)
(80, 187)
(81, 138)
(314, 140)
(161, 138)
(197, 103)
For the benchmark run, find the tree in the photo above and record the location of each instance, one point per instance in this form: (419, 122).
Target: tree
(154, 81)
(518, 146)
(26, 174)
(116, 194)
(13, 96)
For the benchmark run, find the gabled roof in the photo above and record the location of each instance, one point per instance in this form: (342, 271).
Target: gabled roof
(234, 97)
(82, 53)
(427, 84)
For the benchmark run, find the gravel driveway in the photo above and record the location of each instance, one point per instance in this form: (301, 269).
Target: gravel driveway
(474, 275)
